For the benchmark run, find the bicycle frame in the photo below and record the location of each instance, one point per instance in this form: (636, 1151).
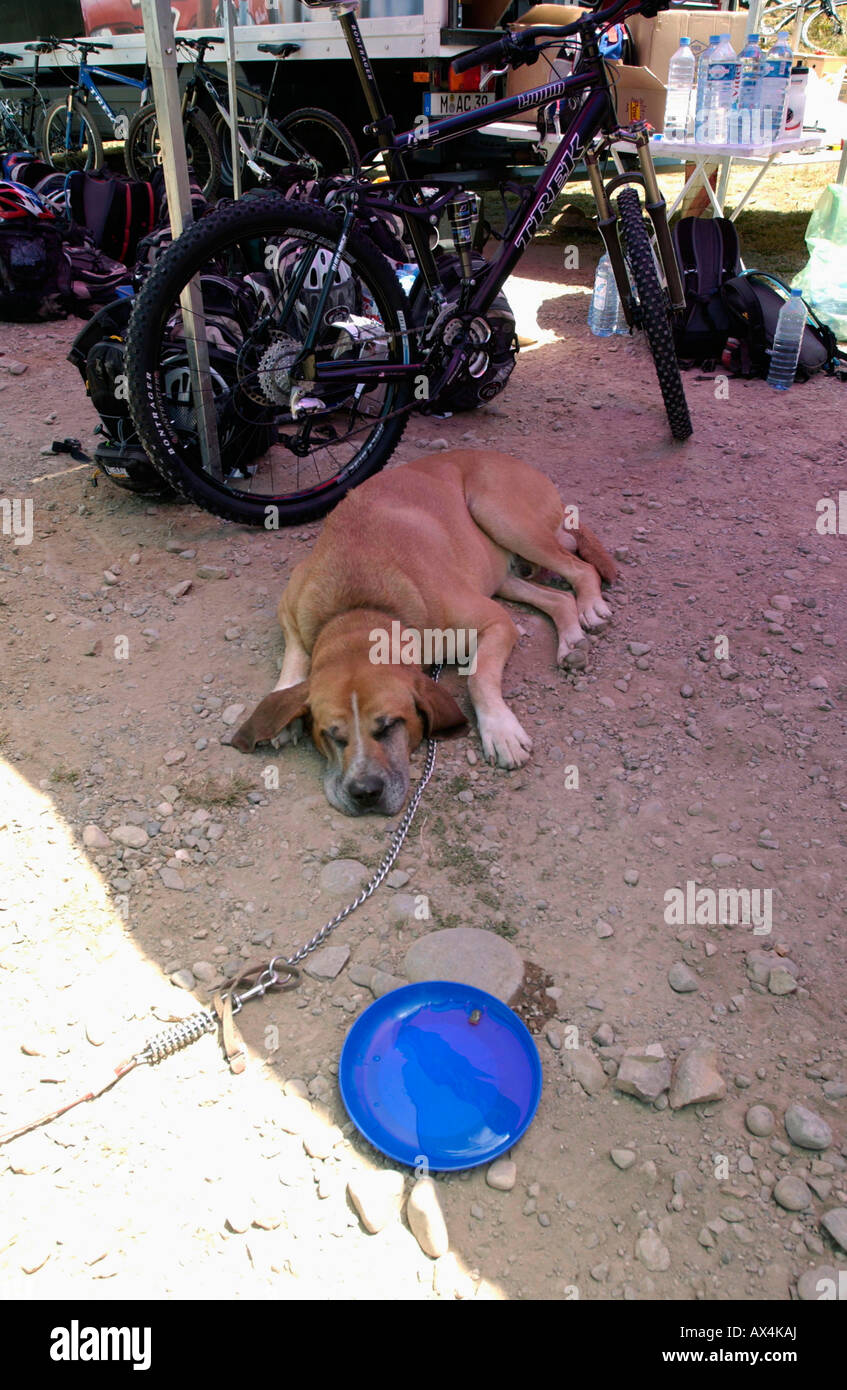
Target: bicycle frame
(29, 103)
(262, 125)
(87, 85)
(595, 113)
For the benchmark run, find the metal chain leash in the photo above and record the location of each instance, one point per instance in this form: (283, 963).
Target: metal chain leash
(188, 1030)
(270, 977)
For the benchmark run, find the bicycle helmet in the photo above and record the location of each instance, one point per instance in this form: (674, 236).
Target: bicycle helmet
(18, 201)
(286, 263)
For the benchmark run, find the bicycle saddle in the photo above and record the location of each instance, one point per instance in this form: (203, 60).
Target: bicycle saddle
(280, 50)
(43, 46)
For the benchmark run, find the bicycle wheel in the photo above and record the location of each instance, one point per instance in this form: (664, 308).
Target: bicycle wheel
(71, 144)
(290, 444)
(826, 32)
(14, 127)
(319, 139)
(142, 148)
(774, 18)
(651, 310)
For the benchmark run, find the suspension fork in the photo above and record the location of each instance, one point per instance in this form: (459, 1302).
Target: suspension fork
(658, 211)
(607, 223)
(656, 207)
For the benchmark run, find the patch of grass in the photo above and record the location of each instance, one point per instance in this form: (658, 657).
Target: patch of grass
(64, 774)
(457, 784)
(349, 849)
(209, 790)
(504, 929)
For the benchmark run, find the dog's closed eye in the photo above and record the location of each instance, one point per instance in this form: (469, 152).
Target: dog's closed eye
(385, 729)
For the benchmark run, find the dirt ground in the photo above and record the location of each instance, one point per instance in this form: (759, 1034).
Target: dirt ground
(717, 762)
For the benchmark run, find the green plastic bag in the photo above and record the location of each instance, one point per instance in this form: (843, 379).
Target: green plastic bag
(823, 281)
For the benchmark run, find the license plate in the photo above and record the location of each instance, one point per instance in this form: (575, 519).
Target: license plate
(454, 103)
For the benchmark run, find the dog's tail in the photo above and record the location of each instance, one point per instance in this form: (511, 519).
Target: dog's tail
(589, 548)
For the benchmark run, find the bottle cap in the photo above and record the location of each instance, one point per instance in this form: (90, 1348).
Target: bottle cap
(796, 294)
(683, 40)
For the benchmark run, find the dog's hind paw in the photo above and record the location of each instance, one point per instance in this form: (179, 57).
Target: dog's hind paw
(504, 740)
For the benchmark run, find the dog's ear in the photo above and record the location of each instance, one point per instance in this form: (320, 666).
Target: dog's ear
(438, 710)
(272, 715)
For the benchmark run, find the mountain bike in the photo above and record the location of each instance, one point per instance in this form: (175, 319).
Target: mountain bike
(317, 356)
(819, 24)
(21, 113)
(70, 139)
(312, 138)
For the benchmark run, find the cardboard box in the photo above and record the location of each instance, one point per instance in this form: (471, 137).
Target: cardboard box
(640, 90)
(538, 74)
(656, 40)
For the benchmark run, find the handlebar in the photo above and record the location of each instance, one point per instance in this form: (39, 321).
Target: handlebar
(515, 49)
(203, 42)
(10, 58)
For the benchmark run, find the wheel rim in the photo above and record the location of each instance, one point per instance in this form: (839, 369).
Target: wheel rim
(280, 438)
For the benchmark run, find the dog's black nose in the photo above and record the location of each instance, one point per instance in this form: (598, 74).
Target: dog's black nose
(367, 789)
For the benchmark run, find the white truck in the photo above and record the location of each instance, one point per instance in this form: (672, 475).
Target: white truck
(411, 44)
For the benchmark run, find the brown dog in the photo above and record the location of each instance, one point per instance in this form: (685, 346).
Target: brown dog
(421, 550)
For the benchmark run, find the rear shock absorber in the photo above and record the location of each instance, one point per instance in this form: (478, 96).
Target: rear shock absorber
(463, 214)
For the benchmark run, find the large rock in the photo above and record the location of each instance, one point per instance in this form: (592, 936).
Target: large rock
(584, 1067)
(806, 1129)
(426, 1219)
(818, 1283)
(644, 1072)
(696, 1078)
(469, 956)
(652, 1251)
(327, 963)
(344, 877)
(377, 1197)
(834, 1223)
(792, 1194)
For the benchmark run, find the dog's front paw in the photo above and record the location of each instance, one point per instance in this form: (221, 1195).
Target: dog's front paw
(594, 613)
(292, 733)
(504, 740)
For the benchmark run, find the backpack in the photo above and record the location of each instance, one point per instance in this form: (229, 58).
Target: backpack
(708, 254)
(117, 211)
(752, 302)
(97, 353)
(95, 277)
(34, 279)
(156, 242)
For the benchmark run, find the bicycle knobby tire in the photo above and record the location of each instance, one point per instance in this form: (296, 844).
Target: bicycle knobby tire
(653, 305)
(270, 215)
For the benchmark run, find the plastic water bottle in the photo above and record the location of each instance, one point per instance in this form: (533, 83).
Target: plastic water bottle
(773, 95)
(407, 273)
(603, 310)
(787, 342)
(722, 75)
(700, 93)
(796, 106)
(745, 120)
(680, 89)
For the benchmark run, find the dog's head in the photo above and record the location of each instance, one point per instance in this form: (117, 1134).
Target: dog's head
(366, 728)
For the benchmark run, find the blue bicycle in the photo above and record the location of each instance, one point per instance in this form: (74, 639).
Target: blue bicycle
(70, 138)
